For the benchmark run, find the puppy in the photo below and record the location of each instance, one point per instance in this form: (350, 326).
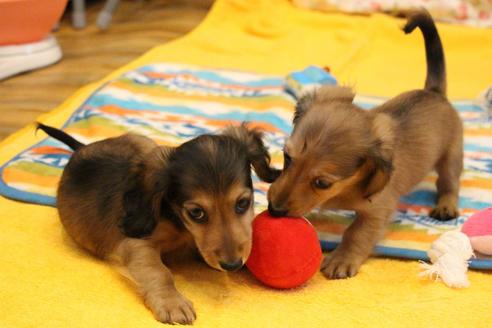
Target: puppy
(341, 156)
(129, 201)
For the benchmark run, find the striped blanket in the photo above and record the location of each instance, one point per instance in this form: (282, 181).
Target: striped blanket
(172, 103)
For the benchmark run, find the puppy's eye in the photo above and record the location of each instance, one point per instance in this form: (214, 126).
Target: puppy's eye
(197, 214)
(287, 160)
(242, 205)
(321, 184)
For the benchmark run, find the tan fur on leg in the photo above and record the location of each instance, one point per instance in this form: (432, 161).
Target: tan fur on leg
(154, 280)
(357, 244)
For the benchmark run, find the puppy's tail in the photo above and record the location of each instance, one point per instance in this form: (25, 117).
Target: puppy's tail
(60, 135)
(436, 68)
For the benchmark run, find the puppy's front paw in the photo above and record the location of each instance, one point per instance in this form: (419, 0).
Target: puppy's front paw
(445, 212)
(339, 266)
(172, 308)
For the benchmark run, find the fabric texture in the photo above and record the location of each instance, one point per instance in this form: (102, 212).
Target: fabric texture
(46, 281)
(172, 103)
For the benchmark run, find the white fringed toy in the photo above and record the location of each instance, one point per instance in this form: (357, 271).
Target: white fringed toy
(451, 252)
(449, 256)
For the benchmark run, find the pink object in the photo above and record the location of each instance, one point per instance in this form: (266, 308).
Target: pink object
(478, 228)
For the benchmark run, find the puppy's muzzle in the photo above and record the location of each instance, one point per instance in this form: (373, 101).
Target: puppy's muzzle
(231, 266)
(278, 212)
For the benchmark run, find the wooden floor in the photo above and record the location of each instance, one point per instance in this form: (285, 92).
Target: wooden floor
(90, 54)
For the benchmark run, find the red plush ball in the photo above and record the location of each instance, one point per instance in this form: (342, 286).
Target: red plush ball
(285, 253)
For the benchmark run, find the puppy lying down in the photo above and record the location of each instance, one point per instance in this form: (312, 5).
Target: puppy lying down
(341, 156)
(129, 201)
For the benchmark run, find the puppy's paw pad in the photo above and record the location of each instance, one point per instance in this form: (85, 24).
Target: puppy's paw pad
(444, 213)
(175, 309)
(339, 267)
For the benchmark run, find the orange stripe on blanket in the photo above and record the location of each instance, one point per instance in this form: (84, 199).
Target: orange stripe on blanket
(258, 103)
(99, 131)
(478, 183)
(411, 236)
(113, 109)
(174, 118)
(475, 183)
(469, 132)
(50, 150)
(18, 176)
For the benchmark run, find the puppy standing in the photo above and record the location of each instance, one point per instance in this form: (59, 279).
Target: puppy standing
(341, 156)
(129, 201)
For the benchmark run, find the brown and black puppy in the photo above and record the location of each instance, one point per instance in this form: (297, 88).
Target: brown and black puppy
(129, 201)
(341, 156)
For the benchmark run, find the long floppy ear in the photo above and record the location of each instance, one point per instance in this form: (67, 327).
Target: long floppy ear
(379, 163)
(377, 177)
(252, 140)
(138, 221)
(324, 94)
(142, 202)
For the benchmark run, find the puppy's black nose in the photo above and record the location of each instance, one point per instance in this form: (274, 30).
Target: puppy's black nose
(275, 211)
(231, 266)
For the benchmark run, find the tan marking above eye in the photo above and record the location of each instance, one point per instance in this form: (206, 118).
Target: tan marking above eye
(332, 178)
(243, 203)
(237, 191)
(324, 173)
(203, 200)
(191, 204)
(245, 194)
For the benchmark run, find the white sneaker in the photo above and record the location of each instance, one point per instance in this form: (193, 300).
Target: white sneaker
(20, 58)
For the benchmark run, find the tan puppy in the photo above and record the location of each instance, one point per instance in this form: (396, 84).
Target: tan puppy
(129, 202)
(341, 156)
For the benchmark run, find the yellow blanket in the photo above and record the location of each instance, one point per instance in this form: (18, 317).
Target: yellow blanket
(46, 281)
